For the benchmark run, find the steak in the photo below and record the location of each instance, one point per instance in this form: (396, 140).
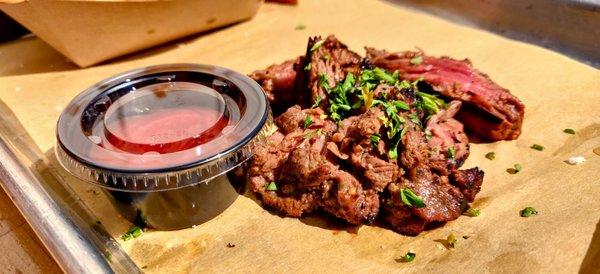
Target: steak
(327, 63)
(393, 137)
(279, 82)
(489, 110)
(449, 145)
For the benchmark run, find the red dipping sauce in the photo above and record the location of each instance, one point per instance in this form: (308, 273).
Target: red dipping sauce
(166, 130)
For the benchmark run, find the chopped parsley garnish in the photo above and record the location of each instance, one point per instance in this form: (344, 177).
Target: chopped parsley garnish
(514, 170)
(314, 133)
(537, 147)
(272, 186)
(528, 211)
(375, 139)
(308, 66)
(382, 75)
(409, 257)
(473, 212)
(409, 198)
(339, 102)
(300, 27)
(417, 60)
(371, 77)
(317, 45)
(452, 240)
(430, 103)
(317, 101)
(518, 167)
(415, 119)
(308, 121)
(569, 131)
(133, 232)
(490, 155)
(451, 153)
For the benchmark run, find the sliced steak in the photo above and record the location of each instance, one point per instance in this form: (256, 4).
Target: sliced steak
(443, 201)
(345, 168)
(448, 143)
(489, 110)
(330, 61)
(280, 82)
(468, 181)
(345, 198)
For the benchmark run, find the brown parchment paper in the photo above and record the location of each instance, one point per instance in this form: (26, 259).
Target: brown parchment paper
(558, 93)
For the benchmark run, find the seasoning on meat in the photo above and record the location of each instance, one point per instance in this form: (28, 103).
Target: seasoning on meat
(376, 138)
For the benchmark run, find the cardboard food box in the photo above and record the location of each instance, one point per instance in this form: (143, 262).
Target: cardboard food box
(90, 31)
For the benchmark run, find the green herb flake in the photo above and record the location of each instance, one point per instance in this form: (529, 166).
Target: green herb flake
(451, 153)
(537, 147)
(417, 60)
(308, 121)
(339, 98)
(569, 131)
(415, 119)
(430, 103)
(133, 232)
(308, 66)
(473, 212)
(317, 45)
(375, 139)
(382, 75)
(409, 257)
(490, 155)
(528, 211)
(409, 198)
(452, 240)
(317, 101)
(518, 167)
(126, 237)
(272, 186)
(300, 27)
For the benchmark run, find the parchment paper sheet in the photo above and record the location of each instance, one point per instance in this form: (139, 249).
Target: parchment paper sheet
(558, 93)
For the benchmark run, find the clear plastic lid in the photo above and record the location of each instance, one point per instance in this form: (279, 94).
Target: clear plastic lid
(162, 127)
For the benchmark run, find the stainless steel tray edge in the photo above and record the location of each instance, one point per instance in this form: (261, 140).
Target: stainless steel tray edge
(64, 224)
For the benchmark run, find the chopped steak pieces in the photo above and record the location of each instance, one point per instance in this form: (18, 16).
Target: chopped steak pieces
(380, 137)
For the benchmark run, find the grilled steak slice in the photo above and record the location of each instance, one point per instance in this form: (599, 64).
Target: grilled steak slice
(327, 63)
(488, 109)
(449, 144)
(443, 201)
(468, 181)
(366, 158)
(280, 83)
(345, 198)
